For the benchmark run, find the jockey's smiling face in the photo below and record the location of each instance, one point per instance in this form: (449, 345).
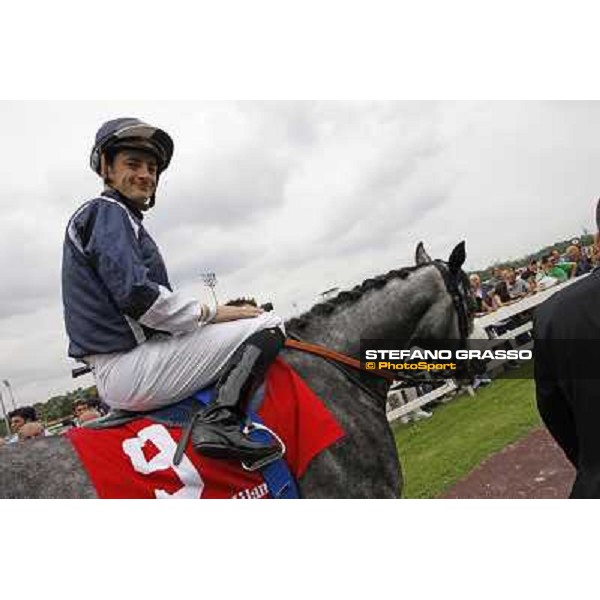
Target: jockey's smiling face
(133, 173)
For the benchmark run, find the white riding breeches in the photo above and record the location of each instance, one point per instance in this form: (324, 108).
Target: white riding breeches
(167, 369)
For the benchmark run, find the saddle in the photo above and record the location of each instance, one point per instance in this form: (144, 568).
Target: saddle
(183, 414)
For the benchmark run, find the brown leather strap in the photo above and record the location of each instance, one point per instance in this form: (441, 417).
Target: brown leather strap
(337, 356)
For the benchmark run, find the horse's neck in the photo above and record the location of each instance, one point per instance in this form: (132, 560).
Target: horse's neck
(392, 312)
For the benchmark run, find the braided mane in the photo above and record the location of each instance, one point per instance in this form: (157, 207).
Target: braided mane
(347, 297)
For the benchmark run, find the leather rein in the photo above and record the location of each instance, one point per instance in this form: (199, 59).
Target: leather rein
(338, 357)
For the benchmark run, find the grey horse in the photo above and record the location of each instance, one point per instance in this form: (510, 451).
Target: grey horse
(426, 301)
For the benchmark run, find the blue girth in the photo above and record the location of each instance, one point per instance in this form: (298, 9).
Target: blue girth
(276, 474)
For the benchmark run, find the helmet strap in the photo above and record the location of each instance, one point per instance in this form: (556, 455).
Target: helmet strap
(104, 168)
(152, 199)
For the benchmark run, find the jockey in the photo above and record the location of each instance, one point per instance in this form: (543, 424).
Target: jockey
(149, 346)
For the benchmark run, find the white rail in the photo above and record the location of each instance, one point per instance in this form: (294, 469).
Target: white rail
(415, 404)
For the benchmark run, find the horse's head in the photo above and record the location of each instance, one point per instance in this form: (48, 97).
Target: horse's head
(450, 315)
(431, 301)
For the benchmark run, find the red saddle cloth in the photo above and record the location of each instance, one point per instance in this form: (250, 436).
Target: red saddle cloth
(136, 460)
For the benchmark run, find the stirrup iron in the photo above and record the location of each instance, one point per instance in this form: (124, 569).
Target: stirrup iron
(262, 462)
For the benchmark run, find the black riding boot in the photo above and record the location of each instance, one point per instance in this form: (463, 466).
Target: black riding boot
(219, 429)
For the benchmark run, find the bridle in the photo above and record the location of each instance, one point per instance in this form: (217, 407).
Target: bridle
(458, 299)
(342, 361)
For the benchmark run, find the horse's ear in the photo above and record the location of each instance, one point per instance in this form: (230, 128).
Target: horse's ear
(457, 258)
(421, 257)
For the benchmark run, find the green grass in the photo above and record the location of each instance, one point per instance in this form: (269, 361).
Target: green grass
(437, 452)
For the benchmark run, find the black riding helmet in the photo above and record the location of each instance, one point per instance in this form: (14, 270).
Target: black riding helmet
(132, 134)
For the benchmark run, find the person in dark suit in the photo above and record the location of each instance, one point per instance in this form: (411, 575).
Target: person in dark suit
(567, 375)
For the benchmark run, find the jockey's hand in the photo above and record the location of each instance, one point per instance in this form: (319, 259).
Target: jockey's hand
(233, 313)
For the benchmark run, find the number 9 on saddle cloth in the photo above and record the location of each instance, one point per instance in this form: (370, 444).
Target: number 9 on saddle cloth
(275, 472)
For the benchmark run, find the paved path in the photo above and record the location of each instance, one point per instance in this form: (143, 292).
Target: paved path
(533, 467)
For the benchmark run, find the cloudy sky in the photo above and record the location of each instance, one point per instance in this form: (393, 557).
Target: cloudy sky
(284, 200)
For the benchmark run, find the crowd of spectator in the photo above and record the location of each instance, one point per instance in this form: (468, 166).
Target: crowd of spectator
(508, 284)
(25, 423)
